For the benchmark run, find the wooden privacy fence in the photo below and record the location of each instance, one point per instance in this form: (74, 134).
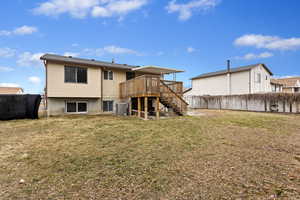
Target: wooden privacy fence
(268, 102)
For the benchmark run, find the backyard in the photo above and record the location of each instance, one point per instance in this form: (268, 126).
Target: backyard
(216, 155)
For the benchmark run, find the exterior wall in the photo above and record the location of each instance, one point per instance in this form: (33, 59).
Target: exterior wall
(111, 87)
(240, 83)
(58, 91)
(216, 85)
(265, 84)
(56, 106)
(56, 86)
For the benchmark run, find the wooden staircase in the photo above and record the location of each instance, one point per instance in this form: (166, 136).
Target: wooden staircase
(170, 99)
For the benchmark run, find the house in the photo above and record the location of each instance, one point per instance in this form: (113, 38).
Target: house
(276, 85)
(233, 81)
(289, 85)
(11, 90)
(80, 86)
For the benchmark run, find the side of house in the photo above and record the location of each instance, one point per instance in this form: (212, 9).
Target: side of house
(242, 80)
(82, 86)
(289, 85)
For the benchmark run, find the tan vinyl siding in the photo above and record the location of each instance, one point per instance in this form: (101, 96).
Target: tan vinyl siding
(56, 86)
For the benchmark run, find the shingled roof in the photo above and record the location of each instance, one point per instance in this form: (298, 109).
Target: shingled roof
(81, 61)
(232, 70)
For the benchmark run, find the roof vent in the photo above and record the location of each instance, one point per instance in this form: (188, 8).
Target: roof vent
(113, 60)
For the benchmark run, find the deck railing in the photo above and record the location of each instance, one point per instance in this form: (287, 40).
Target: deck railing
(146, 85)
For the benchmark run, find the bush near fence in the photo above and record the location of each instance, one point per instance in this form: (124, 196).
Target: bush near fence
(267, 102)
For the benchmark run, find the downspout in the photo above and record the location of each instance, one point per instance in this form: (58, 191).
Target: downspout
(250, 81)
(228, 77)
(46, 86)
(102, 89)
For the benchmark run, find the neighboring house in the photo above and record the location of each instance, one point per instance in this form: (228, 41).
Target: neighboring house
(289, 85)
(276, 85)
(242, 80)
(11, 90)
(75, 85)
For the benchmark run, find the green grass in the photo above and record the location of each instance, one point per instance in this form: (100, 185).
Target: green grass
(107, 157)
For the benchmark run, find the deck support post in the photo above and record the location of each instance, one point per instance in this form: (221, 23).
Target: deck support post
(157, 107)
(139, 106)
(146, 107)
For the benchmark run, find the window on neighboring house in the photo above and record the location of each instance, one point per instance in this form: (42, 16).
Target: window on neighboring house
(75, 74)
(258, 78)
(108, 106)
(108, 75)
(76, 107)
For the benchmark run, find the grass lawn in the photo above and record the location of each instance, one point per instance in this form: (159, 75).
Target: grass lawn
(222, 155)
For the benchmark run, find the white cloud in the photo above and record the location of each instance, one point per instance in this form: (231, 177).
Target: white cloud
(268, 42)
(7, 52)
(83, 8)
(6, 69)
(29, 59)
(34, 80)
(252, 56)
(73, 54)
(186, 10)
(9, 85)
(23, 30)
(190, 49)
(112, 49)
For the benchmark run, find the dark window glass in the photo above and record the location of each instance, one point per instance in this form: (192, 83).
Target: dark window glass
(71, 107)
(108, 75)
(81, 75)
(82, 107)
(111, 75)
(70, 74)
(130, 75)
(108, 106)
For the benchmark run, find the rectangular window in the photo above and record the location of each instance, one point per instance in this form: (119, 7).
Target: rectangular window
(108, 75)
(130, 75)
(258, 78)
(75, 74)
(108, 106)
(297, 89)
(76, 107)
(71, 107)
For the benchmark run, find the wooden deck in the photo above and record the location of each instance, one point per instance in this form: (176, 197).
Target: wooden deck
(169, 93)
(147, 86)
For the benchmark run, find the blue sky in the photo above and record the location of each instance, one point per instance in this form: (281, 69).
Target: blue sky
(195, 35)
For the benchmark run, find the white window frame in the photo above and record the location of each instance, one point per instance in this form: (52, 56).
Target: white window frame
(108, 76)
(66, 104)
(113, 102)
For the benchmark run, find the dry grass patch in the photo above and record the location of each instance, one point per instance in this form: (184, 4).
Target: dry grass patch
(226, 155)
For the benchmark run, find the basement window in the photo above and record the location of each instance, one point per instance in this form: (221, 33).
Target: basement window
(75, 74)
(108, 75)
(76, 107)
(108, 106)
